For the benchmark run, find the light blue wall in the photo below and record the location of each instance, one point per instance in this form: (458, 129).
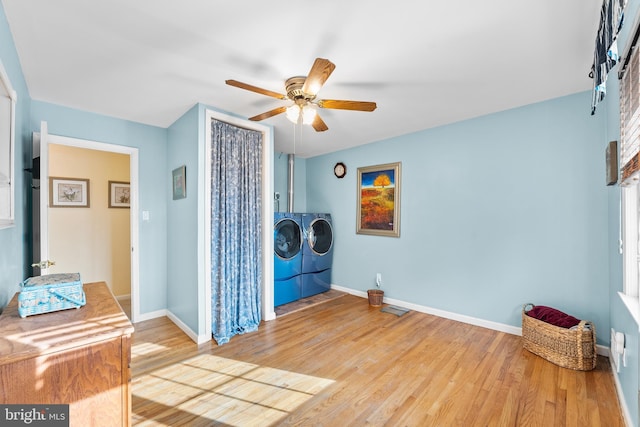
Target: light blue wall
(153, 186)
(281, 182)
(496, 212)
(182, 235)
(14, 241)
(299, 185)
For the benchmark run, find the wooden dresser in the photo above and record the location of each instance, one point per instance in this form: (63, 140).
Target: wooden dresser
(79, 357)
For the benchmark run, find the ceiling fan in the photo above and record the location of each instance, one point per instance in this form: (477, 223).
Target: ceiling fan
(303, 91)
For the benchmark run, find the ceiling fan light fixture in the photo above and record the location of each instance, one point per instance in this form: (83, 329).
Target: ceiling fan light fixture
(302, 91)
(308, 114)
(293, 113)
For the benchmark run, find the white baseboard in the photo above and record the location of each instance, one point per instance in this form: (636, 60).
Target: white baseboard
(179, 323)
(151, 315)
(198, 339)
(509, 329)
(626, 414)
(269, 315)
(440, 313)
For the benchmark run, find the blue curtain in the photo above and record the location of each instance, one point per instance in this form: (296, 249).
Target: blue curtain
(236, 231)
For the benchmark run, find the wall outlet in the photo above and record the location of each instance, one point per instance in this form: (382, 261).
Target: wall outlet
(379, 279)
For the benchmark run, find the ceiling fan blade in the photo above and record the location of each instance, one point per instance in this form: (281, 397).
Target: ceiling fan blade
(319, 73)
(268, 114)
(318, 124)
(255, 89)
(337, 104)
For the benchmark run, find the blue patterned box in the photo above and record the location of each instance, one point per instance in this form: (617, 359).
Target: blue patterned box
(51, 292)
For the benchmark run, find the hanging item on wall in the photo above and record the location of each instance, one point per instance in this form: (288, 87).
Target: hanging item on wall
(612, 162)
(180, 183)
(68, 192)
(379, 200)
(340, 170)
(119, 194)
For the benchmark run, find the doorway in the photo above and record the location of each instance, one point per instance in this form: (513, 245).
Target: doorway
(106, 231)
(268, 312)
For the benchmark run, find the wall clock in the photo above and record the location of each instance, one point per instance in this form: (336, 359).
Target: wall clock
(340, 170)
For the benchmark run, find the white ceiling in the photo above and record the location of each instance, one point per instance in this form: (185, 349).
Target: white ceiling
(425, 63)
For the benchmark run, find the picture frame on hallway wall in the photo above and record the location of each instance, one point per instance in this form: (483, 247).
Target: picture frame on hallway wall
(179, 180)
(68, 192)
(119, 194)
(379, 200)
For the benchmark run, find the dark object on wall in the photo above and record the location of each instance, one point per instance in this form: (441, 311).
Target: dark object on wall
(612, 163)
(34, 170)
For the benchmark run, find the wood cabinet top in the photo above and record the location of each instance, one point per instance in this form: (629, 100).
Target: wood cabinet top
(100, 319)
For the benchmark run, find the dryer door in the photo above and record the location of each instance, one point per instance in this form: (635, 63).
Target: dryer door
(287, 239)
(320, 236)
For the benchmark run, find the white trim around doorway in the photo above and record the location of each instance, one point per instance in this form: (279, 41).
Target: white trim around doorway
(268, 312)
(134, 185)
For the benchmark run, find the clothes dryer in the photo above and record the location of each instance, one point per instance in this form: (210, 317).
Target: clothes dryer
(317, 253)
(287, 257)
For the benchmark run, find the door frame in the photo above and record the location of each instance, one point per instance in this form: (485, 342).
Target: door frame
(134, 219)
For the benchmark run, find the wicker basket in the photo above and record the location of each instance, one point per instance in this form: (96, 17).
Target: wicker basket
(52, 292)
(569, 348)
(375, 297)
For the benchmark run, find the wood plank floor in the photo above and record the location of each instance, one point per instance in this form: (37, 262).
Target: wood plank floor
(343, 363)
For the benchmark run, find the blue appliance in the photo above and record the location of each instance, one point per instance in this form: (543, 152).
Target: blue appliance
(287, 257)
(317, 253)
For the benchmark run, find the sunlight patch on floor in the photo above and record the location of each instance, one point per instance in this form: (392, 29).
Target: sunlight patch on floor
(208, 388)
(146, 348)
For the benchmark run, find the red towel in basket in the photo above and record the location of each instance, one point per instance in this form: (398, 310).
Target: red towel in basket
(553, 316)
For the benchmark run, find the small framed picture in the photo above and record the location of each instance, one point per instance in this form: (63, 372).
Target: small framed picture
(611, 156)
(180, 183)
(68, 192)
(379, 200)
(119, 194)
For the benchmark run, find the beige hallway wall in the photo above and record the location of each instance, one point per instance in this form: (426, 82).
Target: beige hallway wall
(93, 241)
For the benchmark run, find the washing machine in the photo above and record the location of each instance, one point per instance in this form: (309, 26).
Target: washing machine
(287, 257)
(317, 253)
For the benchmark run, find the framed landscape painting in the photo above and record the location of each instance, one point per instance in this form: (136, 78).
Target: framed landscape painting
(379, 200)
